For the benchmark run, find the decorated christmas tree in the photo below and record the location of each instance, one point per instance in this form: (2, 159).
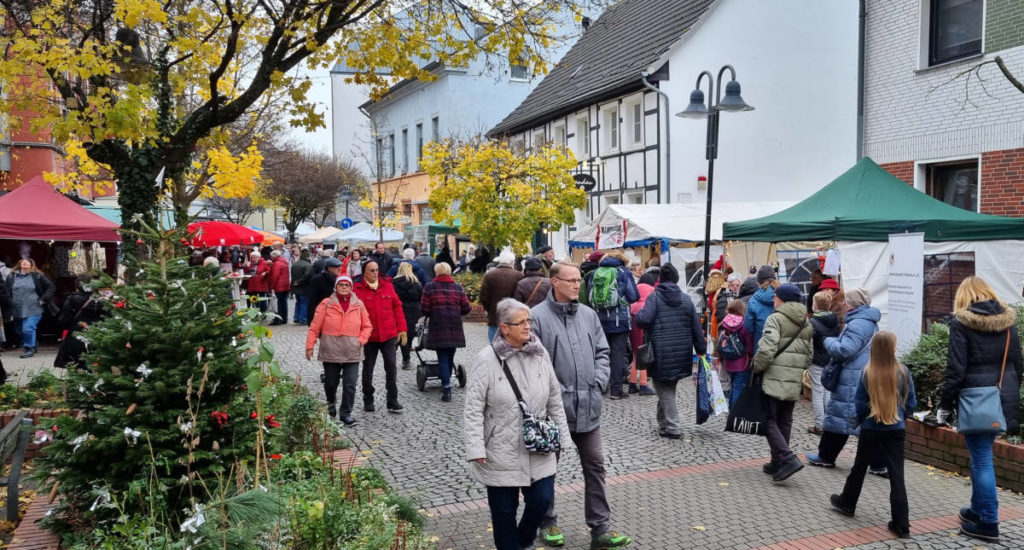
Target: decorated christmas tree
(164, 416)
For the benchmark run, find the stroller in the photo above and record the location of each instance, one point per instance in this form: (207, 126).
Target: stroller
(427, 369)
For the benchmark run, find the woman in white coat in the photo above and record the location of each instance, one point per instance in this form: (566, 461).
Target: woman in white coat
(493, 427)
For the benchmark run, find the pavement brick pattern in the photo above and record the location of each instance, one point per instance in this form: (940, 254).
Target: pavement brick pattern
(705, 490)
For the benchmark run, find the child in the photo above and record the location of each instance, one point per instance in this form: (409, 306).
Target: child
(826, 325)
(885, 397)
(735, 348)
(638, 378)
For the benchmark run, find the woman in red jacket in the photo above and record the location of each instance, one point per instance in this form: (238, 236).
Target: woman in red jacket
(389, 330)
(280, 283)
(258, 285)
(342, 325)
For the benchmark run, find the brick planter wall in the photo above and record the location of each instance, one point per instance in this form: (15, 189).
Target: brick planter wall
(477, 314)
(944, 448)
(32, 450)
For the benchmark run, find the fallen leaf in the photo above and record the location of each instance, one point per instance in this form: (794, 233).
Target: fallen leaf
(699, 528)
(723, 484)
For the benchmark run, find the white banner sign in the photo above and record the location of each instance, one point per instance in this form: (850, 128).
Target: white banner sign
(906, 288)
(611, 236)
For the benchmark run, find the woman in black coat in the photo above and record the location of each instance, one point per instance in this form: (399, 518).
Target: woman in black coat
(409, 291)
(79, 310)
(671, 321)
(982, 332)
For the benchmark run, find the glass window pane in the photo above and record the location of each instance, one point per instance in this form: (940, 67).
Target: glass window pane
(956, 28)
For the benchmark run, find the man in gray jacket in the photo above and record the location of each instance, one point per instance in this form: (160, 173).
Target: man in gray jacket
(572, 334)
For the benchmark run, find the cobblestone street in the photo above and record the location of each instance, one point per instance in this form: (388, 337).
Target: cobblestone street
(705, 490)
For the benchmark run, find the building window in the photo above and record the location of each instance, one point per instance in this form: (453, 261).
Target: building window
(634, 124)
(419, 144)
(519, 72)
(538, 140)
(391, 155)
(5, 158)
(405, 150)
(610, 128)
(583, 137)
(435, 129)
(954, 183)
(380, 158)
(559, 133)
(943, 273)
(954, 29)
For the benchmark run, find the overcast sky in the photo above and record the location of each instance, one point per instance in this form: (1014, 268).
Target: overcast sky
(320, 92)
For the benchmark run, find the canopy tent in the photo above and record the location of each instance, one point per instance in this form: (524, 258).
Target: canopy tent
(36, 211)
(372, 234)
(866, 203)
(318, 235)
(217, 233)
(339, 234)
(269, 239)
(646, 224)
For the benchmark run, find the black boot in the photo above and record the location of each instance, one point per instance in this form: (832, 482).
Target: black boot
(29, 352)
(446, 395)
(332, 411)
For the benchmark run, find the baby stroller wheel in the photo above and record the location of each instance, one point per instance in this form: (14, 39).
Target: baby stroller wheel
(460, 374)
(421, 377)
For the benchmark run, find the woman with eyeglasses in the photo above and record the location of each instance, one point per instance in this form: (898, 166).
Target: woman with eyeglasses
(493, 426)
(342, 325)
(443, 303)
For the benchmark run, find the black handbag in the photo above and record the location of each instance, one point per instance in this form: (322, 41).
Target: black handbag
(540, 435)
(645, 354)
(750, 413)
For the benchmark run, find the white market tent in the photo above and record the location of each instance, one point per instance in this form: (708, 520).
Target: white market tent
(318, 235)
(340, 234)
(371, 234)
(646, 224)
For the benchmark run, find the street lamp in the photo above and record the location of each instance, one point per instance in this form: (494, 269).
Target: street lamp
(697, 109)
(347, 196)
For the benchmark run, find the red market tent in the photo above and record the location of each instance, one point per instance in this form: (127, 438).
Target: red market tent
(217, 233)
(37, 211)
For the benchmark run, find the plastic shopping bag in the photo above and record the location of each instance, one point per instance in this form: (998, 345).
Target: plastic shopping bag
(719, 404)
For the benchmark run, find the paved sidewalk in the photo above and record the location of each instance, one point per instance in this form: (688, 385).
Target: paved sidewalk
(703, 491)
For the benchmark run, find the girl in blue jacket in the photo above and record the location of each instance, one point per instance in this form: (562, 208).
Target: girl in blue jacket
(885, 398)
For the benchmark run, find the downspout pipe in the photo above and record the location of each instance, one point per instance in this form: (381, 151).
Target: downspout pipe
(668, 136)
(860, 78)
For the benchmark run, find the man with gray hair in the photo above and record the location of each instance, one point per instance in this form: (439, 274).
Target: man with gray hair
(498, 284)
(572, 334)
(408, 257)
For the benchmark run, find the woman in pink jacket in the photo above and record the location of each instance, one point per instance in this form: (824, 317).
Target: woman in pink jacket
(636, 339)
(342, 325)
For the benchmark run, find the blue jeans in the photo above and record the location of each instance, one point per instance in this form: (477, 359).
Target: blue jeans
(737, 381)
(300, 309)
(445, 364)
(491, 333)
(504, 503)
(983, 477)
(28, 330)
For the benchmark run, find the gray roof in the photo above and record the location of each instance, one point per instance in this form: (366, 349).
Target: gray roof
(607, 59)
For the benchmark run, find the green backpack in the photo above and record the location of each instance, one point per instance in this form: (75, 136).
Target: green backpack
(604, 289)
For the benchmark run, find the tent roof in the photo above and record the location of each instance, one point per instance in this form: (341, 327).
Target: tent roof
(370, 234)
(679, 222)
(318, 235)
(339, 234)
(866, 203)
(36, 211)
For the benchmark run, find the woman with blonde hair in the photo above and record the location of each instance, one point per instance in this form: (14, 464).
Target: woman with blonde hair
(984, 350)
(29, 292)
(410, 292)
(885, 398)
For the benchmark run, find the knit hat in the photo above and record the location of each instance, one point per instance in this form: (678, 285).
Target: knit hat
(827, 284)
(542, 250)
(532, 264)
(788, 292)
(859, 296)
(595, 256)
(343, 279)
(765, 273)
(669, 274)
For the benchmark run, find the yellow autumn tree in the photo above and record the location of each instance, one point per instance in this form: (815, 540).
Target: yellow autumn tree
(499, 195)
(143, 84)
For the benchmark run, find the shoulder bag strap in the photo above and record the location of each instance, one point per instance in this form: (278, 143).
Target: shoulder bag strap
(790, 343)
(1006, 352)
(88, 301)
(535, 287)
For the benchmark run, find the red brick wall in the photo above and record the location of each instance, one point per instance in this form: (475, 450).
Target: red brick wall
(1002, 182)
(944, 448)
(902, 170)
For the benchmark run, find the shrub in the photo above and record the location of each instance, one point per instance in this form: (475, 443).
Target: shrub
(13, 397)
(471, 284)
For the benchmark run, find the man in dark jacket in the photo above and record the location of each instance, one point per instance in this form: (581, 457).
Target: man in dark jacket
(615, 318)
(321, 285)
(408, 256)
(546, 255)
(498, 284)
(382, 257)
(671, 321)
(427, 264)
(300, 275)
(572, 335)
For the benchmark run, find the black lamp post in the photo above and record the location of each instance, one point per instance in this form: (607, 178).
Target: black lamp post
(347, 196)
(697, 110)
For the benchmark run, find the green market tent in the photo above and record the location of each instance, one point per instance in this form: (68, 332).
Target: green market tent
(866, 203)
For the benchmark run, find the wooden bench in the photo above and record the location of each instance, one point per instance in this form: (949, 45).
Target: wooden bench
(14, 439)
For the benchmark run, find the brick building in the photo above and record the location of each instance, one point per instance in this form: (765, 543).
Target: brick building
(929, 119)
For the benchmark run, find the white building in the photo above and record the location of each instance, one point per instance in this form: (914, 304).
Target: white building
(797, 61)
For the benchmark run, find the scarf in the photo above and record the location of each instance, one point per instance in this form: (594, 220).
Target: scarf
(344, 301)
(373, 285)
(505, 351)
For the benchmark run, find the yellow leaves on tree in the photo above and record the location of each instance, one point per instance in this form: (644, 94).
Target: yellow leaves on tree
(88, 178)
(233, 177)
(501, 197)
